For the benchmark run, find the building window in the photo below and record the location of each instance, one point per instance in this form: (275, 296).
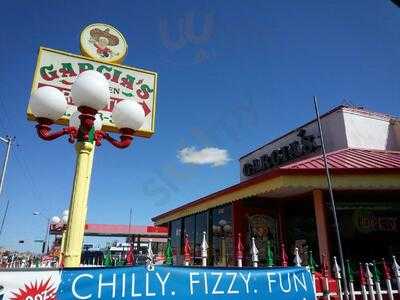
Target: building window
(189, 227)
(222, 241)
(366, 224)
(201, 225)
(301, 229)
(176, 240)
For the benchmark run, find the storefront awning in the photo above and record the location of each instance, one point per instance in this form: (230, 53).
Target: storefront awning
(351, 169)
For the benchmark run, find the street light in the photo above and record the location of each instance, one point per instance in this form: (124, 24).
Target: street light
(222, 229)
(60, 224)
(90, 93)
(64, 217)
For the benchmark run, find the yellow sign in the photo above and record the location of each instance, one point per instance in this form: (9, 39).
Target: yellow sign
(59, 69)
(103, 42)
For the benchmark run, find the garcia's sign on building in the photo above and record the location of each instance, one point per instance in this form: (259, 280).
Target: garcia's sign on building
(59, 69)
(305, 145)
(166, 283)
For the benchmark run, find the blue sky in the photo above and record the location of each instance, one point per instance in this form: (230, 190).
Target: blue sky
(248, 78)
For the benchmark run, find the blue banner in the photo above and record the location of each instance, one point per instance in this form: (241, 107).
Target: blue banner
(172, 283)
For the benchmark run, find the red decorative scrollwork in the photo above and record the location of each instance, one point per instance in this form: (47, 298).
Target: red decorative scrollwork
(87, 118)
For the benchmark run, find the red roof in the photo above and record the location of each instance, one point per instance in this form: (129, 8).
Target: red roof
(122, 230)
(344, 161)
(351, 159)
(110, 229)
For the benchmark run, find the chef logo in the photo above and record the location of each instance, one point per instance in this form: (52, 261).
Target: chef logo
(103, 42)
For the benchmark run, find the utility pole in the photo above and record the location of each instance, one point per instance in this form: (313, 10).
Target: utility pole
(130, 222)
(8, 141)
(332, 200)
(46, 238)
(45, 241)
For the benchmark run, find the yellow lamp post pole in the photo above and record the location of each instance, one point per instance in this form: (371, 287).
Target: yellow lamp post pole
(85, 196)
(78, 206)
(60, 259)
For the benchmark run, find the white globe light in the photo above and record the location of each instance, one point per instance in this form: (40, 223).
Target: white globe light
(55, 220)
(74, 121)
(91, 89)
(216, 229)
(98, 123)
(128, 114)
(48, 102)
(222, 222)
(227, 228)
(65, 219)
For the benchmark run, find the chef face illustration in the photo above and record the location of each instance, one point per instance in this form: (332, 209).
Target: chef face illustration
(104, 41)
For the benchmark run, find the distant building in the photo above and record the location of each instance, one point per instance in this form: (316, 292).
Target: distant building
(138, 236)
(282, 194)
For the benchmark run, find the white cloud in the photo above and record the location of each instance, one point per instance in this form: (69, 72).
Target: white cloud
(212, 156)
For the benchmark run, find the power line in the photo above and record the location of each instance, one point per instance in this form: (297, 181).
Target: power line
(27, 173)
(5, 123)
(20, 157)
(5, 113)
(2, 125)
(28, 178)
(4, 216)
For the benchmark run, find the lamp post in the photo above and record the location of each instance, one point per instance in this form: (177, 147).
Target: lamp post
(222, 229)
(60, 223)
(90, 93)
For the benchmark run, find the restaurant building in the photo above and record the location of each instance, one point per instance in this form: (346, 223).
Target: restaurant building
(282, 195)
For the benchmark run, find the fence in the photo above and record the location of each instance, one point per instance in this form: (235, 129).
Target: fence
(370, 281)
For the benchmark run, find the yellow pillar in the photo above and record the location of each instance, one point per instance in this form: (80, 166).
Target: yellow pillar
(60, 259)
(89, 171)
(78, 206)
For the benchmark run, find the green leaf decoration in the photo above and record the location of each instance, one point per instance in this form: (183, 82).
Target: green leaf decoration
(270, 255)
(91, 135)
(311, 262)
(127, 94)
(168, 254)
(349, 271)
